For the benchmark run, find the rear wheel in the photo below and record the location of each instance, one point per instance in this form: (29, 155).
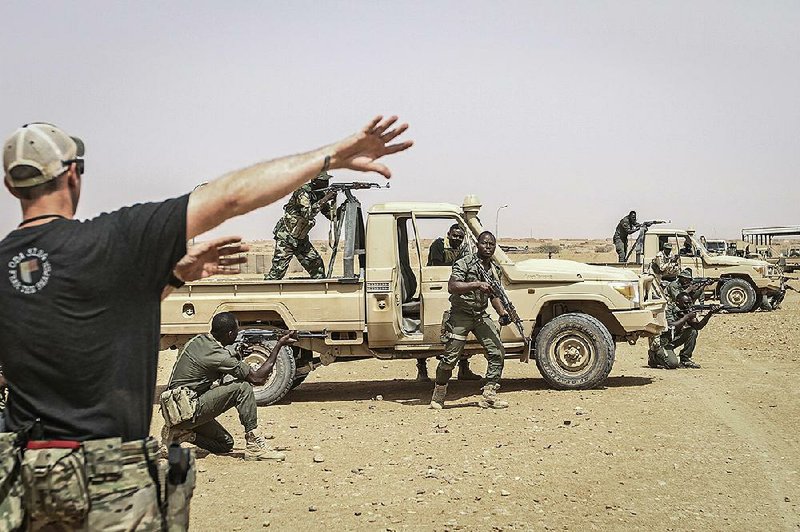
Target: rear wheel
(282, 377)
(737, 295)
(575, 352)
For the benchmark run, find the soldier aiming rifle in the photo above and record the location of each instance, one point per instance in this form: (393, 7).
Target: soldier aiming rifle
(682, 318)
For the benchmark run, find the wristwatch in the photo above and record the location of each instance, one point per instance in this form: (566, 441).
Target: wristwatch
(174, 281)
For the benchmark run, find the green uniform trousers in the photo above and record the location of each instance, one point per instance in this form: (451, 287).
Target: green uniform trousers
(665, 355)
(286, 247)
(209, 433)
(621, 246)
(458, 326)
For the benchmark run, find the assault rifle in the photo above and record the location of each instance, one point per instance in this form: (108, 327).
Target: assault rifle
(648, 223)
(353, 185)
(249, 337)
(707, 308)
(702, 282)
(508, 305)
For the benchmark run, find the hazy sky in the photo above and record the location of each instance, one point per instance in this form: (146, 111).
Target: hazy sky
(572, 113)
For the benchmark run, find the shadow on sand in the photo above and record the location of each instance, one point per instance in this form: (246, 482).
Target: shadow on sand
(414, 393)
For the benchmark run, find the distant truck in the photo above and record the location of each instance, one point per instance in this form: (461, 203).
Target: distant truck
(789, 261)
(743, 284)
(388, 304)
(717, 247)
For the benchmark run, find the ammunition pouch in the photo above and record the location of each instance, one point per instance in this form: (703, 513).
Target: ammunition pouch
(301, 228)
(178, 405)
(56, 485)
(447, 329)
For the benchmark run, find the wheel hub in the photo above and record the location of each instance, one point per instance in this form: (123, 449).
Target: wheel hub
(737, 297)
(573, 352)
(258, 355)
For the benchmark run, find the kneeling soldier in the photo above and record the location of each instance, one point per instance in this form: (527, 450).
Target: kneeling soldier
(204, 360)
(468, 302)
(682, 331)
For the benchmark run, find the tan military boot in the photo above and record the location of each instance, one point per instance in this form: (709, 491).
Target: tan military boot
(490, 399)
(256, 448)
(437, 400)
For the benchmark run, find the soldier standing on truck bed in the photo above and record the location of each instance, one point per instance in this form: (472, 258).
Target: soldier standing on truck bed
(468, 302)
(80, 308)
(441, 254)
(195, 404)
(625, 228)
(291, 231)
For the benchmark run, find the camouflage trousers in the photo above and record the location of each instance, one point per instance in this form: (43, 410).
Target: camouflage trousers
(209, 433)
(621, 246)
(662, 349)
(457, 327)
(286, 247)
(102, 485)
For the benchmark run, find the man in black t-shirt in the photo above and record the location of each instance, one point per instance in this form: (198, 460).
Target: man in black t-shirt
(80, 304)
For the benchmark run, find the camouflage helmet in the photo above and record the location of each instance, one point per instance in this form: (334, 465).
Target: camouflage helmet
(322, 177)
(686, 273)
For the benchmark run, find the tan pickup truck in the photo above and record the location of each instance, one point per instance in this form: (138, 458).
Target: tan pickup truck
(388, 304)
(747, 284)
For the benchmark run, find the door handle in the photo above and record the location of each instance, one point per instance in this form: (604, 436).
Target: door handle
(435, 287)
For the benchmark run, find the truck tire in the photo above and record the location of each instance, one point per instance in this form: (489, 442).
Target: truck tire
(574, 352)
(737, 295)
(281, 378)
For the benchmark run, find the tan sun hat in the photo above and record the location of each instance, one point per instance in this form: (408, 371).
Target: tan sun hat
(37, 153)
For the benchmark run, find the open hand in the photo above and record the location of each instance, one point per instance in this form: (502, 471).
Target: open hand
(361, 151)
(215, 257)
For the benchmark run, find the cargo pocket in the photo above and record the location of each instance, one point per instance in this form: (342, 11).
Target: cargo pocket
(56, 485)
(11, 512)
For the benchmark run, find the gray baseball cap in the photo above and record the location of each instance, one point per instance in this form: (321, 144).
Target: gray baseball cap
(37, 153)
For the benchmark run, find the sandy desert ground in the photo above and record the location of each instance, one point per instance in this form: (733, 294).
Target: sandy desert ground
(708, 449)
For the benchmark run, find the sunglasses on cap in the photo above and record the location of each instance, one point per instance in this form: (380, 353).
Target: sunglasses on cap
(81, 165)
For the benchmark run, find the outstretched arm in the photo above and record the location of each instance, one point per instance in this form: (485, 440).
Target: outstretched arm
(244, 190)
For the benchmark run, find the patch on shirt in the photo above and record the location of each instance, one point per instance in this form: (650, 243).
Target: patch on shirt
(29, 271)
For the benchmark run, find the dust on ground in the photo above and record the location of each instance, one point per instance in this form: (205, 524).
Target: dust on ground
(714, 448)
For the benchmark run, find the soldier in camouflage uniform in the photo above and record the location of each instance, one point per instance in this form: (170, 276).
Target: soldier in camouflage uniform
(664, 265)
(684, 284)
(682, 331)
(468, 302)
(445, 254)
(625, 228)
(291, 231)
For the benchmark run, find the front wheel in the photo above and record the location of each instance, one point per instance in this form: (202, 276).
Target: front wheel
(281, 378)
(575, 352)
(737, 295)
